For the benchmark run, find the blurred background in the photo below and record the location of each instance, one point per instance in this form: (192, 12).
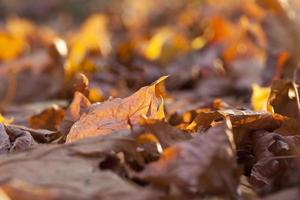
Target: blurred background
(210, 48)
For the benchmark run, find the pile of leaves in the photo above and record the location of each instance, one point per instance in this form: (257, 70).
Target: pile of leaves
(147, 100)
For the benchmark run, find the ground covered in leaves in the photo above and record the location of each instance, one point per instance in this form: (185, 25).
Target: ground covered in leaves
(149, 100)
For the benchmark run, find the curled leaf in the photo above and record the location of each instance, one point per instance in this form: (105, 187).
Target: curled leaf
(239, 118)
(109, 116)
(284, 98)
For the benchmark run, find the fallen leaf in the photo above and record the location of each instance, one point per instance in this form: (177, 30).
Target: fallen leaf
(109, 116)
(11, 46)
(70, 172)
(93, 36)
(4, 140)
(239, 118)
(21, 113)
(284, 98)
(5, 121)
(49, 118)
(276, 161)
(259, 98)
(12, 140)
(165, 133)
(165, 44)
(39, 135)
(78, 106)
(289, 126)
(81, 84)
(291, 194)
(265, 170)
(43, 77)
(192, 165)
(183, 144)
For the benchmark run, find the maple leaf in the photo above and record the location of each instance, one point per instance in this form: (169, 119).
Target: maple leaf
(109, 116)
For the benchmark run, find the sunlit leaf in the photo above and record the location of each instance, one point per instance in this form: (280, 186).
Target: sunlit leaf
(5, 120)
(95, 95)
(116, 114)
(165, 43)
(93, 36)
(198, 42)
(259, 98)
(20, 28)
(284, 98)
(155, 45)
(10, 46)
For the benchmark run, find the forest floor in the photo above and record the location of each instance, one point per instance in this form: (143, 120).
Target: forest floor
(149, 99)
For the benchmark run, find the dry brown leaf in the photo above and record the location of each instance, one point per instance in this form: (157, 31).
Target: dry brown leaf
(14, 139)
(212, 49)
(239, 118)
(78, 106)
(70, 171)
(42, 75)
(4, 140)
(289, 126)
(265, 170)
(81, 84)
(39, 135)
(276, 161)
(284, 98)
(205, 164)
(112, 115)
(291, 194)
(49, 118)
(166, 134)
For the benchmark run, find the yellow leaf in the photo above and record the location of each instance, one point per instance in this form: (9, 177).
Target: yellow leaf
(165, 44)
(93, 36)
(198, 42)
(95, 95)
(20, 28)
(10, 46)
(150, 138)
(259, 98)
(13, 41)
(156, 43)
(5, 121)
(161, 110)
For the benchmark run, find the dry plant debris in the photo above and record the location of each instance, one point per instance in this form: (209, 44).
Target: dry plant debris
(149, 99)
